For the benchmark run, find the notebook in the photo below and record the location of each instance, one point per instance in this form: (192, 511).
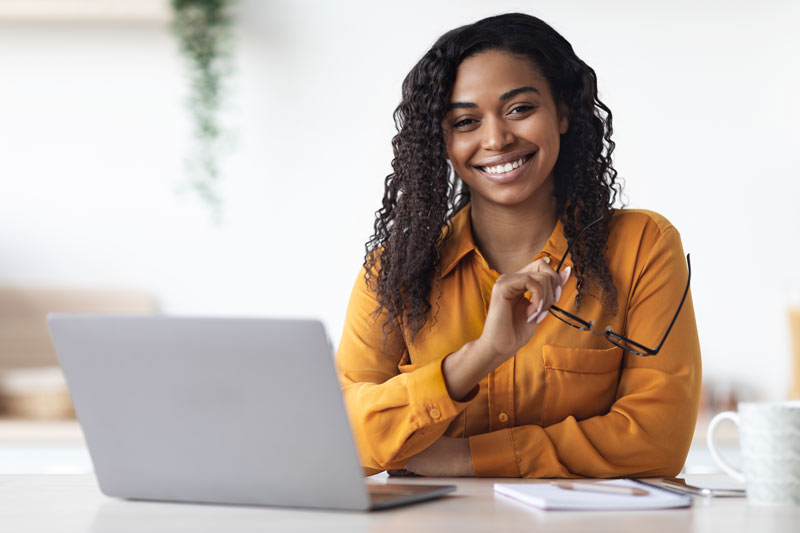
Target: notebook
(546, 495)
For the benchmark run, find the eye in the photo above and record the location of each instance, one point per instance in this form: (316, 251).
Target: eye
(522, 108)
(464, 122)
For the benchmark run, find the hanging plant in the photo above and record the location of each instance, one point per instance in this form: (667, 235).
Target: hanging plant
(204, 32)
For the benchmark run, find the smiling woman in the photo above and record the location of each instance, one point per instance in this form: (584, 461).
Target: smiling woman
(449, 363)
(485, 120)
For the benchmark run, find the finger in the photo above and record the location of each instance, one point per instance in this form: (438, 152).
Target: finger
(545, 300)
(512, 286)
(531, 311)
(541, 267)
(541, 295)
(538, 284)
(564, 275)
(540, 313)
(541, 291)
(545, 279)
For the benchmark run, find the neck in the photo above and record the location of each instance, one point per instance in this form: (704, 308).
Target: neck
(510, 236)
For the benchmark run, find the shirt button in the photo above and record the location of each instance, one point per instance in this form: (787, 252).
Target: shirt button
(435, 413)
(503, 417)
(546, 259)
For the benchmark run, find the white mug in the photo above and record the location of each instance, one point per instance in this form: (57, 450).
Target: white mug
(769, 437)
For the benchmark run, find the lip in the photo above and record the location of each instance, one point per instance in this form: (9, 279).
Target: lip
(503, 158)
(506, 177)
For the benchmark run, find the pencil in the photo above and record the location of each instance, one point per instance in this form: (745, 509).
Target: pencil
(599, 487)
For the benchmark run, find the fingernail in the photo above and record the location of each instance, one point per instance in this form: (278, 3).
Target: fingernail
(539, 309)
(558, 292)
(530, 318)
(541, 316)
(567, 272)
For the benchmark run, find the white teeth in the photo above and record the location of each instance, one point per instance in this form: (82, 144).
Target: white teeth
(508, 167)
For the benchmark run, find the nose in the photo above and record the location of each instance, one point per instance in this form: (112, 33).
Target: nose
(496, 135)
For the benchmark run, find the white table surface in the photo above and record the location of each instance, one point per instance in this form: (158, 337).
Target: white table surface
(56, 503)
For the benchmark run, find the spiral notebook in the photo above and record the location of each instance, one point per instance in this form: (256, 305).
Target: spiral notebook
(546, 495)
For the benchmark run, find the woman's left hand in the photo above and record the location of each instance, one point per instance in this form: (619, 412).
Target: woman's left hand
(447, 457)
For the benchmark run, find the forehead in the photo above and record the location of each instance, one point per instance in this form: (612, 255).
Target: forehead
(492, 73)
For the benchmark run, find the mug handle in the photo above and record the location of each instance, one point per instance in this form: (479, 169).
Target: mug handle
(712, 428)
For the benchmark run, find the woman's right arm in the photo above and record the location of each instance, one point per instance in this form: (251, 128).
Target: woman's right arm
(510, 323)
(396, 410)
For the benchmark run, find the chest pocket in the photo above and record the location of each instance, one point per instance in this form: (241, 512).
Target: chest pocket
(579, 382)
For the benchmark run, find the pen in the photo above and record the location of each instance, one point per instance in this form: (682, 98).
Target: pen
(599, 487)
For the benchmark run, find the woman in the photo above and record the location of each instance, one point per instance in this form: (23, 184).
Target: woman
(453, 360)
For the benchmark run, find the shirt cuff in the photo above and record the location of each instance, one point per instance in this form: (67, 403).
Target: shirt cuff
(429, 398)
(493, 454)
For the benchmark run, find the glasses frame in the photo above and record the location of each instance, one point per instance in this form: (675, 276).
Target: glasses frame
(612, 336)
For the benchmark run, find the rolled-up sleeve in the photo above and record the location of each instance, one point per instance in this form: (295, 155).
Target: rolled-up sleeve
(396, 410)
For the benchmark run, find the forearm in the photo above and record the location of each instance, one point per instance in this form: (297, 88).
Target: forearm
(646, 433)
(395, 420)
(464, 369)
(447, 457)
(626, 443)
(511, 321)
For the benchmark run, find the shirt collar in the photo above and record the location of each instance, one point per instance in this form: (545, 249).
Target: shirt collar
(460, 243)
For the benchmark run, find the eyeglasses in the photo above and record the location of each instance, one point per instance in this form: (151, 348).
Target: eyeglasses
(613, 337)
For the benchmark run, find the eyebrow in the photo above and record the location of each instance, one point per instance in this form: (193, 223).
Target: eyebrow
(505, 96)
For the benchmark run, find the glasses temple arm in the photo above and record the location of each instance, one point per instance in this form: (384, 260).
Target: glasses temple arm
(574, 240)
(680, 306)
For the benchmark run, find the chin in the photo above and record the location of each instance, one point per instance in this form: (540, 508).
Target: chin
(509, 196)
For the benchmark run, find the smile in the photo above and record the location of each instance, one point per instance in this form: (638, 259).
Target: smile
(506, 172)
(508, 167)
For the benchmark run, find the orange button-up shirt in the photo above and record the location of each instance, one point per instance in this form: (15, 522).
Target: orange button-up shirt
(568, 403)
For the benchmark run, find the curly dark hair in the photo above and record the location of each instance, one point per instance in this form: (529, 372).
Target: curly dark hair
(422, 194)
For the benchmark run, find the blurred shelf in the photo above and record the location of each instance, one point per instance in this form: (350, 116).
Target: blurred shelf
(43, 431)
(129, 11)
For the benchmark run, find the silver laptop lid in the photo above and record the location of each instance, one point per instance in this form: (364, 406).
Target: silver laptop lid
(223, 410)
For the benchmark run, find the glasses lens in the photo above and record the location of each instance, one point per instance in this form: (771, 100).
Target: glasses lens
(569, 319)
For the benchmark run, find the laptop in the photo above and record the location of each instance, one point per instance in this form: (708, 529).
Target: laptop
(217, 410)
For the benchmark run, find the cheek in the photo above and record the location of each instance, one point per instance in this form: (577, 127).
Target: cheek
(555, 144)
(551, 146)
(458, 153)
(547, 132)
(548, 138)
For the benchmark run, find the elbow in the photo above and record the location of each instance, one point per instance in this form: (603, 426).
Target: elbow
(669, 449)
(670, 467)
(666, 461)
(376, 456)
(369, 471)
(372, 459)
(390, 454)
(383, 459)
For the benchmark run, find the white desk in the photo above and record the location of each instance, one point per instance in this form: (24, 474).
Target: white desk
(59, 503)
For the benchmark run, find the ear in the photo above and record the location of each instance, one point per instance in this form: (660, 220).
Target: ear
(563, 118)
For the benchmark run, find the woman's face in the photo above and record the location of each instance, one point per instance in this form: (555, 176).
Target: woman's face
(503, 128)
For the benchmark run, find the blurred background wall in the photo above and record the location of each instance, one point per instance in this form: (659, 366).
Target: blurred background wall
(93, 132)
